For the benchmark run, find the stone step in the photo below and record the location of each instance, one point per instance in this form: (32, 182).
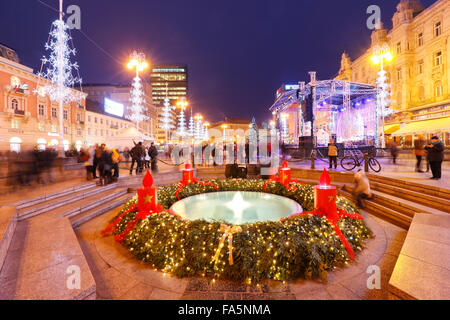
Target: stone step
(422, 269)
(421, 198)
(63, 201)
(412, 186)
(88, 215)
(44, 262)
(394, 217)
(8, 222)
(47, 197)
(393, 203)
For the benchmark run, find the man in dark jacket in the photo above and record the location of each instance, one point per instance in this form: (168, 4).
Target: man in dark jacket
(137, 153)
(435, 156)
(153, 153)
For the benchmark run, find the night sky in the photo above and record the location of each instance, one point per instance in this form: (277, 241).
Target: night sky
(238, 52)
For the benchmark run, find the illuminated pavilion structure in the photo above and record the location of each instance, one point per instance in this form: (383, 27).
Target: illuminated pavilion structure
(321, 110)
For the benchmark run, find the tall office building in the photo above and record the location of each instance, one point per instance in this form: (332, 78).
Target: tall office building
(175, 79)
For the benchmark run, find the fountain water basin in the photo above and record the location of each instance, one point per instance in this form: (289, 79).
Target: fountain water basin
(236, 207)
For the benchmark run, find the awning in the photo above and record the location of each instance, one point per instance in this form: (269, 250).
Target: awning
(422, 127)
(391, 128)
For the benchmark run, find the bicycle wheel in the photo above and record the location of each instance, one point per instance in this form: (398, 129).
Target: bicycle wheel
(374, 165)
(348, 163)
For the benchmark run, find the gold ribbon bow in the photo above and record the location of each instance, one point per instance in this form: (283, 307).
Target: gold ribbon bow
(227, 233)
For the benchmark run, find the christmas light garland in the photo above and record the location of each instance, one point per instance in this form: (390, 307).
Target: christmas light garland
(304, 245)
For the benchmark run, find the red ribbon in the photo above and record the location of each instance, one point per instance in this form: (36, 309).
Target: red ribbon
(113, 225)
(334, 222)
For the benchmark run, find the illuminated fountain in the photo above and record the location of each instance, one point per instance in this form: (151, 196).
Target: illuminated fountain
(236, 207)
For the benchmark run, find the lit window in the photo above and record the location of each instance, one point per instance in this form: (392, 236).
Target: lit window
(421, 65)
(54, 128)
(15, 124)
(420, 39)
(399, 74)
(438, 58)
(438, 29)
(41, 127)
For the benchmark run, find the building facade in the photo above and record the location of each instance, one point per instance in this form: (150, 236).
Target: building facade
(173, 81)
(121, 94)
(419, 73)
(29, 119)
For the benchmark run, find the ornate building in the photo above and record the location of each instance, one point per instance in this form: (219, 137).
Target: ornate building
(418, 74)
(29, 119)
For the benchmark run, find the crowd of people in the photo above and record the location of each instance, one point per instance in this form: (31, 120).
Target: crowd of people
(103, 163)
(30, 166)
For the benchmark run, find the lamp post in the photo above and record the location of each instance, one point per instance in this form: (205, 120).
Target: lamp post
(380, 54)
(137, 61)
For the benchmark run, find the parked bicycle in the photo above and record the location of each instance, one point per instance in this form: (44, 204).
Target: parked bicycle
(350, 162)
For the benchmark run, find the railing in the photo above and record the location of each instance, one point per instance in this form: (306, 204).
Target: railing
(19, 112)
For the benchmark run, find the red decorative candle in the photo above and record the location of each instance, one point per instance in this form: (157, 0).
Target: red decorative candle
(285, 173)
(148, 195)
(188, 174)
(325, 197)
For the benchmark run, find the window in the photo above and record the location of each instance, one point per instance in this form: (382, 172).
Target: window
(101, 121)
(14, 104)
(421, 65)
(96, 132)
(15, 124)
(107, 122)
(78, 117)
(66, 130)
(54, 128)
(438, 29)
(399, 74)
(399, 48)
(66, 115)
(79, 132)
(89, 131)
(438, 89)
(41, 110)
(421, 93)
(89, 118)
(54, 113)
(41, 127)
(438, 58)
(420, 39)
(95, 119)
(101, 132)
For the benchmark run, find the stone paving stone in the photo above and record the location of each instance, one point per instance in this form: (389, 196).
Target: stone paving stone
(314, 295)
(199, 295)
(138, 292)
(160, 294)
(255, 296)
(227, 286)
(420, 280)
(426, 251)
(339, 292)
(197, 285)
(233, 296)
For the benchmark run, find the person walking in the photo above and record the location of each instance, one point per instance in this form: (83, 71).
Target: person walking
(153, 153)
(362, 188)
(332, 154)
(116, 159)
(136, 153)
(394, 152)
(98, 153)
(435, 157)
(419, 152)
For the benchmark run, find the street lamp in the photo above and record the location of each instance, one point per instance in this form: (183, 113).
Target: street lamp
(380, 54)
(137, 61)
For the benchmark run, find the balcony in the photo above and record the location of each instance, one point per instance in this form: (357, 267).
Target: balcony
(19, 112)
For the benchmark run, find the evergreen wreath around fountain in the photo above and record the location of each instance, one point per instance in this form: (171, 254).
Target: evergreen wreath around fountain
(302, 246)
